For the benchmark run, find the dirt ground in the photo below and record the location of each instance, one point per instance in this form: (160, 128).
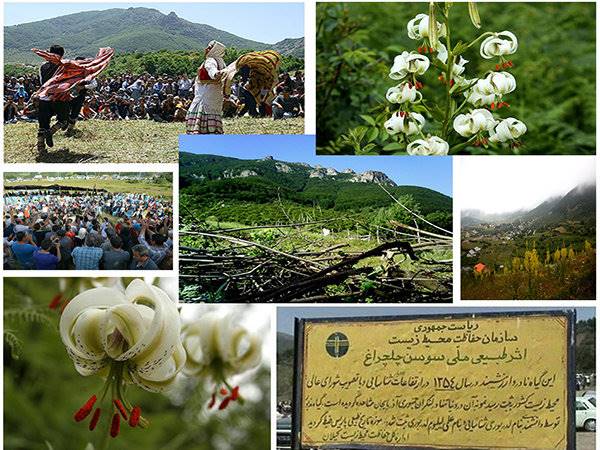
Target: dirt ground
(585, 441)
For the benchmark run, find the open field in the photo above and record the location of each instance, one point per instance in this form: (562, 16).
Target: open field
(136, 141)
(114, 186)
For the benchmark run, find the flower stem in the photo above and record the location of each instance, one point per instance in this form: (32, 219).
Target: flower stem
(487, 33)
(449, 67)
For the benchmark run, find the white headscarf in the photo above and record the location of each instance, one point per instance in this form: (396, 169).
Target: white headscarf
(216, 51)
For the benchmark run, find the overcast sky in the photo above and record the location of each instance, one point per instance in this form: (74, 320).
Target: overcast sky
(498, 184)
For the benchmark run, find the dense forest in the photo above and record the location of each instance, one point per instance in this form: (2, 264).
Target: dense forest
(164, 62)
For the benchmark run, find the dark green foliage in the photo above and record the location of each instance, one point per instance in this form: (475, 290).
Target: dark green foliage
(202, 185)
(585, 339)
(164, 62)
(127, 30)
(554, 69)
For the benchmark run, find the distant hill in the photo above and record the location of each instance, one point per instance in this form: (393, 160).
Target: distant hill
(285, 366)
(127, 30)
(578, 204)
(254, 179)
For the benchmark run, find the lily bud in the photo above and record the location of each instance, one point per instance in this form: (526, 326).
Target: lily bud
(474, 14)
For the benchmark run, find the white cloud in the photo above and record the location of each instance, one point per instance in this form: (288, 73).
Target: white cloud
(497, 184)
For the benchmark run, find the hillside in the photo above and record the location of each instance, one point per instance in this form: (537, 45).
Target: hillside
(218, 177)
(579, 204)
(285, 366)
(127, 30)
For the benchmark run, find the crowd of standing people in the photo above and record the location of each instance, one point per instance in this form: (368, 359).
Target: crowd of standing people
(87, 230)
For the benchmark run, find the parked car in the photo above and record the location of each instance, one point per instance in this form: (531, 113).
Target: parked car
(590, 396)
(284, 433)
(585, 414)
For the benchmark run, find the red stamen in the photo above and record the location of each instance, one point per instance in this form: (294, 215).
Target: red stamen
(235, 393)
(497, 66)
(419, 85)
(401, 114)
(55, 302)
(493, 106)
(441, 77)
(451, 83)
(95, 419)
(115, 425)
(430, 49)
(420, 49)
(134, 419)
(85, 410)
(121, 408)
(212, 402)
(224, 403)
(510, 64)
(224, 391)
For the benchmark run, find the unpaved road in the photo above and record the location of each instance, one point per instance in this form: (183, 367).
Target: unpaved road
(585, 441)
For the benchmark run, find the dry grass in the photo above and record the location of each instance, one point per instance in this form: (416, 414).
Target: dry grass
(138, 141)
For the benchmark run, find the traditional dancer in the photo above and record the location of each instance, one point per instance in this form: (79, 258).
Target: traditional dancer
(205, 113)
(62, 81)
(259, 75)
(49, 108)
(76, 104)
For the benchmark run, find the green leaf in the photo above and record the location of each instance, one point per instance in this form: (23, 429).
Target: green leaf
(372, 134)
(393, 146)
(368, 119)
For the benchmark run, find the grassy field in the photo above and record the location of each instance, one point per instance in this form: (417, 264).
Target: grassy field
(115, 186)
(124, 141)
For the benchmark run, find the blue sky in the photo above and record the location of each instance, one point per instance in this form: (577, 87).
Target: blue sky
(285, 316)
(263, 22)
(431, 172)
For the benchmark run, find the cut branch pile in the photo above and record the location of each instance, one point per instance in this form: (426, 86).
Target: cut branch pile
(231, 265)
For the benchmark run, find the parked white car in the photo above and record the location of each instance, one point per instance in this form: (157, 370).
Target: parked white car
(585, 414)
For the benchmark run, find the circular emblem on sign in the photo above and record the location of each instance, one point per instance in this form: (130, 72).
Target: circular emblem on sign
(337, 345)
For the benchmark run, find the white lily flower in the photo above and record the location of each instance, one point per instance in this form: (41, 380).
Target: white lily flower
(491, 88)
(406, 63)
(478, 98)
(432, 146)
(136, 332)
(219, 348)
(442, 52)
(508, 130)
(474, 122)
(407, 123)
(403, 93)
(459, 67)
(418, 28)
(125, 336)
(499, 44)
(462, 82)
(501, 82)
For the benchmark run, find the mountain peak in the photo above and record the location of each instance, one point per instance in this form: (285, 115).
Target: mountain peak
(373, 176)
(127, 30)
